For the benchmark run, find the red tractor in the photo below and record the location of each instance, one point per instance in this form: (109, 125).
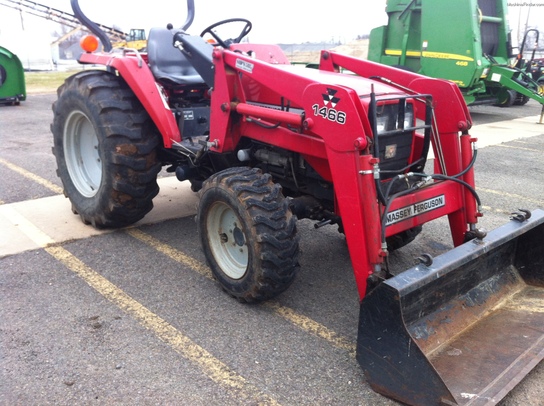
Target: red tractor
(266, 143)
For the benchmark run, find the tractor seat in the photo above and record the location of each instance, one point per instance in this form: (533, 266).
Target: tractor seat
(167, 62)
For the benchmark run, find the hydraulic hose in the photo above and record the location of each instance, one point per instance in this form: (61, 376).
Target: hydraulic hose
(454, 179)
(386, 210)
(415, 187)
(389, 199)
(470, 165)
(376, 149)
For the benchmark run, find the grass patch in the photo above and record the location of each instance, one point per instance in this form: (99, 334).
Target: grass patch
(45, 82)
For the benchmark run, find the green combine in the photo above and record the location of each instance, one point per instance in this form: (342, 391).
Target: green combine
(465, 41)
(12, 78)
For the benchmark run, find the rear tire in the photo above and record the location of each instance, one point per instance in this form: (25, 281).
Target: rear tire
(248, 234)
(521, 99)
(105, 146)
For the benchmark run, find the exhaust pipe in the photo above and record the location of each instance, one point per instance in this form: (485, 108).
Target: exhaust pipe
(463, 330)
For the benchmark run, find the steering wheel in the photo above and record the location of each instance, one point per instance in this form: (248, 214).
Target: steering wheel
(226, 43)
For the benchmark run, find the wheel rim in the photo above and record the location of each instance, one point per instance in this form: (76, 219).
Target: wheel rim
(81, 154)
(227, 240)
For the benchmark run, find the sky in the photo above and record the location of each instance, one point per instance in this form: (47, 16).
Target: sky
(277, 21)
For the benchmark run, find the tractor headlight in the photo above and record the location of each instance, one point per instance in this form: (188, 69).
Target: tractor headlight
(400, 140)
(394, 117)
(395, 126)
(381, 122)
(409, 116)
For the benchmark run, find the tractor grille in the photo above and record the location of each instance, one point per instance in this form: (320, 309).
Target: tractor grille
(396, 130)
(395, 123)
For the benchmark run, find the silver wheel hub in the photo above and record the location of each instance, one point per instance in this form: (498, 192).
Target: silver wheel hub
(227, 240)
(81, 154)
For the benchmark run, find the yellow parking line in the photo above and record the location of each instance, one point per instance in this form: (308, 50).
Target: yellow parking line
(208, 364)
(211, 366)
(313, 327)
(489, 208)
(31, 176)
(512, 195)
(303, 322)
(171, 252)
(520, 148)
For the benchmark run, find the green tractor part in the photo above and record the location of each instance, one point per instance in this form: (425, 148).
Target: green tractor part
(465, 41)
(12, 78)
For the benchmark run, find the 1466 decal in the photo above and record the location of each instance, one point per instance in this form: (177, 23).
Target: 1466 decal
(330, 113)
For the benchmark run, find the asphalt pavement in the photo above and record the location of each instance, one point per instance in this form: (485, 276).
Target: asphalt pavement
(133, 316)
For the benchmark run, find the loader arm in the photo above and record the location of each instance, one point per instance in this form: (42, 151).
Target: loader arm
(518, 81)
(337, 144)
(338, 157)
(451, 115)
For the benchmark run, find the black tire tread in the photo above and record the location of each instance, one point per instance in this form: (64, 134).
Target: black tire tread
(275, 230)
(129, 147)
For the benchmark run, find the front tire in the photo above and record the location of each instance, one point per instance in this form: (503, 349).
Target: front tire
(105, 146)
(403, 238)
(248, 234)
(507, 98)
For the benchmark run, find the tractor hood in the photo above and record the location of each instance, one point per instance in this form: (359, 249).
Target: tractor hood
(361, 85)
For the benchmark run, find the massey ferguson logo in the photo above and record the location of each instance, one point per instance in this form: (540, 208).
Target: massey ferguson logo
(415, 209)
(329, 98)
(328, 111)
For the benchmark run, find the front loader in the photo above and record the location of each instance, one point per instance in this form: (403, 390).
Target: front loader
(265, 143)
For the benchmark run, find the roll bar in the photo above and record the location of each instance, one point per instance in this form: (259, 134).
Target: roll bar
(95, 29)
(190, 15)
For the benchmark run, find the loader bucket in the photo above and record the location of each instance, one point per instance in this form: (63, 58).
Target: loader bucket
(465, 329)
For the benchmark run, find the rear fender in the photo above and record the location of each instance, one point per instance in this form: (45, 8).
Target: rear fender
(140, 79)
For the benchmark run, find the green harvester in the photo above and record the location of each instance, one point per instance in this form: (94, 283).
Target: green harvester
(12, 78)
(465, 41)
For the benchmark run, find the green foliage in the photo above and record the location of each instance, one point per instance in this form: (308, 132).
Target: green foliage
(45, 81)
